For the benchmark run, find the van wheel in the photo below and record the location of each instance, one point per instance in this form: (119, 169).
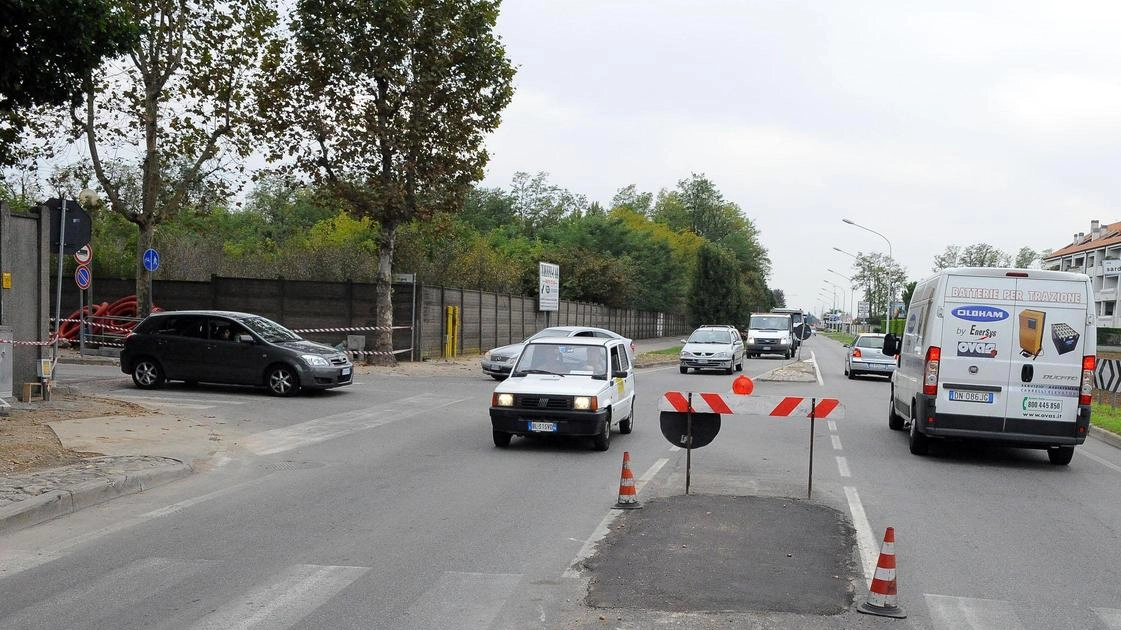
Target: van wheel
(894, 420)
(919, 443)
(626, 426)
(1060, 455)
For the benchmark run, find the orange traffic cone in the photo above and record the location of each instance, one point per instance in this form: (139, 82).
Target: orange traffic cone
(881, 595)
(628, 496)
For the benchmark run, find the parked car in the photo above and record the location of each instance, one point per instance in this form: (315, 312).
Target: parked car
(497, 362)
(713, 348)
(580, 386)
(866, 356)
(229, 347)
(770, 333)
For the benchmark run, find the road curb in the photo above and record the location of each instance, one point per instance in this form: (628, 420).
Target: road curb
(55, 503)
(1108, 437)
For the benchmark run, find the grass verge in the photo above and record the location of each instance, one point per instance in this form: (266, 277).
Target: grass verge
(1105, 416)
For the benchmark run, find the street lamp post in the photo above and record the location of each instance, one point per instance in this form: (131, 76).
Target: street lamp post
(844, 300)
(852, 301)
(834, 297)
(890, 257)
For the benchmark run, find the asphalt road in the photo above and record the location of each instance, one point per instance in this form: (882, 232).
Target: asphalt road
(386, 505)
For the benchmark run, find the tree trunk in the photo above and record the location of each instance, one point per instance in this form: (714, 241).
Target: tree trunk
(143, 276)
(383, 317)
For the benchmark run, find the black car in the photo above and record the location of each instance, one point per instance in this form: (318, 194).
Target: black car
(228, 347)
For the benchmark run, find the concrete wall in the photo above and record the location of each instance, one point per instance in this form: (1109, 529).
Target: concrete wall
(24, 253)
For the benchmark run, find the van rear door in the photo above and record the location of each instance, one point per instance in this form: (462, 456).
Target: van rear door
(977, 341)
(1049, 324)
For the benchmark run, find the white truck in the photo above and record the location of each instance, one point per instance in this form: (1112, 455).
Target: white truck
(1004, 355)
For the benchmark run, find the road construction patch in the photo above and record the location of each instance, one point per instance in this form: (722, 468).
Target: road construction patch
(700, 553)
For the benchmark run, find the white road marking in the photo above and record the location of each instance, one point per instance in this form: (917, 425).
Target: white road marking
(836, 442)
(177, 399)
(843, 467)
(15, 561)
(832, 424)
(601, 530)
(340, 424)
(674, 449)
(961, 613)
(465, 601)
(1084, 453)
(649, 474)
(117, 590)
(817, 370)
(1111, 617)
(284, 601)
(865, 542)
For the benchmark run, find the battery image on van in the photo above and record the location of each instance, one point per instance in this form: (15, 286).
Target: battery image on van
(1005, 356)
(1031, 332)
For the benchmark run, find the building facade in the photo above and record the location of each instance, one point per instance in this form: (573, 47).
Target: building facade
(1098, 255)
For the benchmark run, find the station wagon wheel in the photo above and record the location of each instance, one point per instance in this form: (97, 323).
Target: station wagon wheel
(147, 374)
(282, 381)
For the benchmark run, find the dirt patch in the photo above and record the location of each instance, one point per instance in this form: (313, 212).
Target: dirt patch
(27, 443)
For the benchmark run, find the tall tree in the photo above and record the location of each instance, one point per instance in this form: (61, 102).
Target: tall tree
(48, 48)
(881, 278)
(1025, 257)
(716, 296)
(180, 102)
(983, 255)
(387, 103)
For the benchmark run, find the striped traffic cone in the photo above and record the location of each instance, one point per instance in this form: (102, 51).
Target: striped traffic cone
(881, 595)
(628, 496)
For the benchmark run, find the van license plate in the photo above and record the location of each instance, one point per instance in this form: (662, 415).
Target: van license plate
(978, 397)
(543, 427)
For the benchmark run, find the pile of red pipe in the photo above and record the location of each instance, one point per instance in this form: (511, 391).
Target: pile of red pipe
(101, 318)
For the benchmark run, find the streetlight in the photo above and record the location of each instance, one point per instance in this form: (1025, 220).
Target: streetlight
(844, 299)
(852, 293)
(846, 253)
(890, 257)
(834, 296)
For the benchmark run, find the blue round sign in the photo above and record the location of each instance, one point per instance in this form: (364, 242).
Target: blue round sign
(151, 259)
(82, 277)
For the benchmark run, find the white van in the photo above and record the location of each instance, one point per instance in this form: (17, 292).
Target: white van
(1005, 355)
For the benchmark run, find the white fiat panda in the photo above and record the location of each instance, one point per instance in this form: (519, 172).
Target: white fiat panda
(580, 386)
(1005, 355)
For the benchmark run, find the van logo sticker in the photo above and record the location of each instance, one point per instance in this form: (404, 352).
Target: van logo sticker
(983, 333)
(980, 313)
(979, 349)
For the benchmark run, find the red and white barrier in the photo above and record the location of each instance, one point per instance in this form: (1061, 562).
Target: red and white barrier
(774, 406)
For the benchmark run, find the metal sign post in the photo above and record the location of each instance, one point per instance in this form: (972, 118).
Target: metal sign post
(688, 443)
(58, 294)
(813, 416)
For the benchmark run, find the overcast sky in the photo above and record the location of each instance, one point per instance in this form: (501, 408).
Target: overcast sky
(935, 124)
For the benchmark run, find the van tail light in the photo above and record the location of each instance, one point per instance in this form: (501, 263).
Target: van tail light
(930, 371)
(1088, 365)
(856, 353)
